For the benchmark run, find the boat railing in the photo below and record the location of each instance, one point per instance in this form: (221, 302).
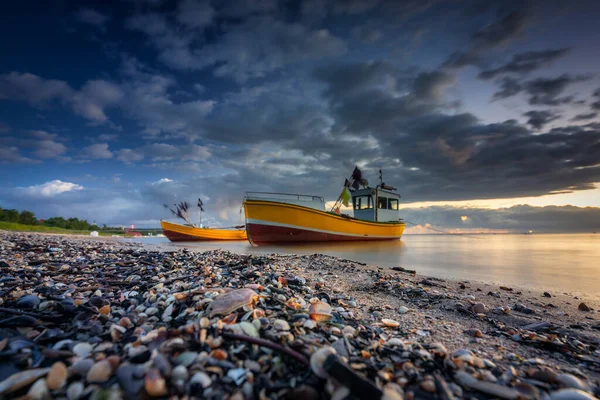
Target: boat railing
(283, 196)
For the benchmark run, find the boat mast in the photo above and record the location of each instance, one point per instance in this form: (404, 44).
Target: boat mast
(376, 205)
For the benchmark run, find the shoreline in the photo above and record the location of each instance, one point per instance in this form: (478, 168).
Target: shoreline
(506, 327)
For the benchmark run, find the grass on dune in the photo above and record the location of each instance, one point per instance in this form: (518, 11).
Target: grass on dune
(13, 226)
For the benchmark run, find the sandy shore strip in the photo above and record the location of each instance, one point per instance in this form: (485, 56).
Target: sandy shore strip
(84, 317)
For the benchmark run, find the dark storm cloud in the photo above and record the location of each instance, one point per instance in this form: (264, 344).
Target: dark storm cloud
(515, 219)
(508, 87)
(490, 36)
(538, 119)
(433, 85)
(541, 91)
(596, 104)
(252, 48)
(524, 63)
(583, 117)
(544, 91)
(456, 156)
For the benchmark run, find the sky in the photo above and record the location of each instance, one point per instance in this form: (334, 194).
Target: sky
(482, 110)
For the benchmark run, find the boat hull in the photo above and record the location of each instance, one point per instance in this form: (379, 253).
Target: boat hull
(182, 233)
(275, 222)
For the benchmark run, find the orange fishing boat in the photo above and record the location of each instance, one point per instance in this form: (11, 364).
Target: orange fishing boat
(281, 217)
(186, 233)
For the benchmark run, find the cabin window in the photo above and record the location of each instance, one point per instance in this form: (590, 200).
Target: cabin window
(362, 202)
(393, 204)
(382, 203)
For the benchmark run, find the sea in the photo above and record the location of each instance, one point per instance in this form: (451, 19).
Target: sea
(560, 263)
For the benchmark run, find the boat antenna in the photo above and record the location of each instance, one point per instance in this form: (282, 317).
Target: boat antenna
(381, 177)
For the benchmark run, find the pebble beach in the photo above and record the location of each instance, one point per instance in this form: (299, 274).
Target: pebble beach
(101, 318)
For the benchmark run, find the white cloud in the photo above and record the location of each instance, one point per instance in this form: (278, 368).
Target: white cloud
(49, 149)
(50, 189)
(128, 155)
(161, 181)
(97, 151)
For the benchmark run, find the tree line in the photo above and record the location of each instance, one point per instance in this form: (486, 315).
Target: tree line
(28, 218)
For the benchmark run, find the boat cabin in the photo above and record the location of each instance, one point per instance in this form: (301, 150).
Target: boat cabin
(378, 204)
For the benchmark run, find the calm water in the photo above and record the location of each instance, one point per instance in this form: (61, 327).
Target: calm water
(559, 263)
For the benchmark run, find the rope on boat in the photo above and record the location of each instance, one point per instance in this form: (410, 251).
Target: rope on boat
(441, 231)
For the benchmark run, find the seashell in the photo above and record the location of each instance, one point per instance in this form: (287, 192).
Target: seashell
(334, 330)
(100, 372)
(571, 394)
(180, 373)
(228, 302)
(478, 308)
(116, 332)
(219, 354)
(186, 358)
(28, 302)
(309, 324)
(21, 379)
(252, 365)
(201, 379)
(390, 394)
(474, 333)
(570, 381)
(238, 375)
(57, 376)
(349, 331)
(104, 310)
(249, 329)
(180, 296)
(151, 311)
(428, 384)
(114, 361)
(394, 342)
(82, 367)
(39, 390)
(155, 384)
(83, 349)
(281, 325)
(75, 390)
(493, 389)
(230, 319)
(317, 359)
(545, 375)
(166, 316)
(390, 323)
(126, 323)
(319, 311)
(527, 391)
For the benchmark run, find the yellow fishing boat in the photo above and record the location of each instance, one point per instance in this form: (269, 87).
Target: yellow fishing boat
(187, 233)
(281, 217)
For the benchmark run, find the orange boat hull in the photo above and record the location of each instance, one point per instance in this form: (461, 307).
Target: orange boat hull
(182, 233)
